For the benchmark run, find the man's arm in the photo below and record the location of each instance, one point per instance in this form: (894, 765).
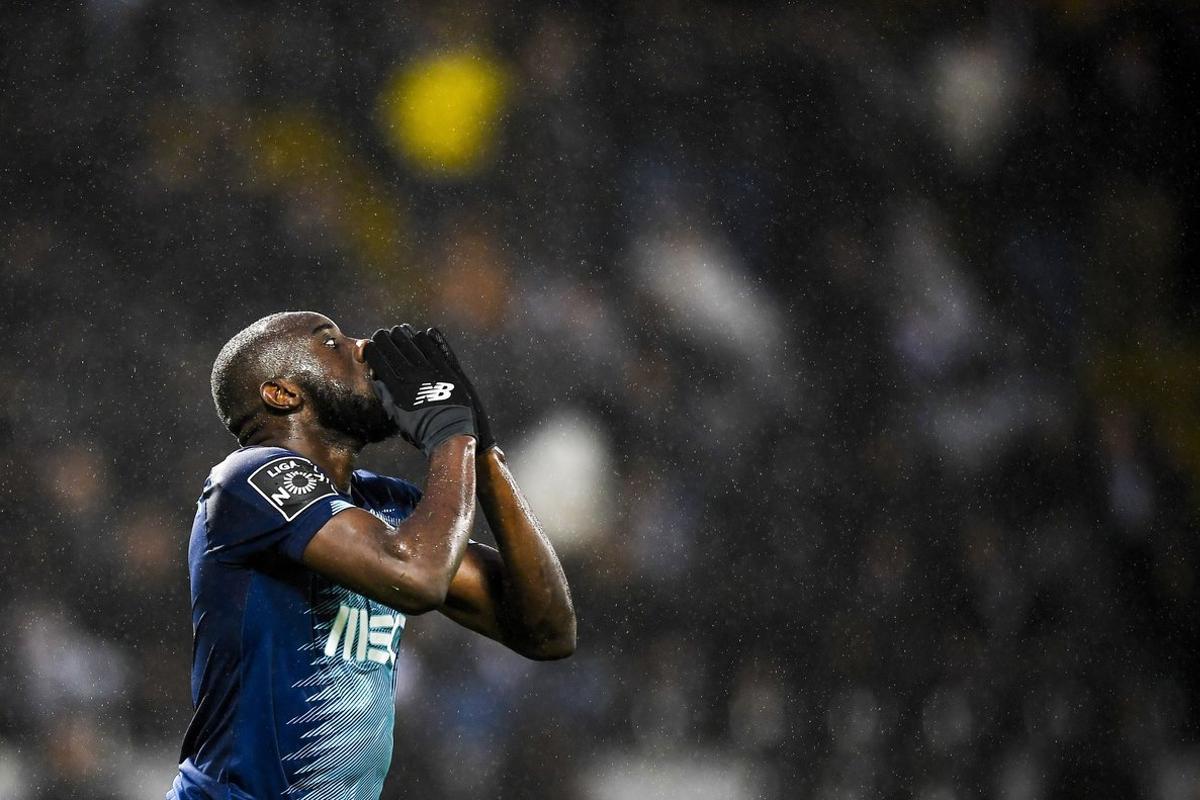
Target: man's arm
(409, 567)
(517, 595)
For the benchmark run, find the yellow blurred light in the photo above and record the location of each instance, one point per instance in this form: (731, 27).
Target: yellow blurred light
(440, 113)
(303, 158)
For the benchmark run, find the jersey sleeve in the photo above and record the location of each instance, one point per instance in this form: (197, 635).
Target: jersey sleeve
(394, 497)
(403, 495)
(267, 500)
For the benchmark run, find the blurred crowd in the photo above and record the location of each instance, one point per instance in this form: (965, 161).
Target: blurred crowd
(848, 353)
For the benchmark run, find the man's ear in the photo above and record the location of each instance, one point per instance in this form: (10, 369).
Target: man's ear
(280, 395)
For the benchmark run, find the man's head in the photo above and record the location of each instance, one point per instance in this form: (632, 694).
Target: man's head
(298, 363)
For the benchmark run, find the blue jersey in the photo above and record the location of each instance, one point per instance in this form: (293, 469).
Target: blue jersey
(292, 674)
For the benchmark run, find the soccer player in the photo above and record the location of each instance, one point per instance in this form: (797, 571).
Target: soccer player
(304, 570)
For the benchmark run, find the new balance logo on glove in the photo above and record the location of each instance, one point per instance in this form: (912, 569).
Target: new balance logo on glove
(433, 392)
(419, 389)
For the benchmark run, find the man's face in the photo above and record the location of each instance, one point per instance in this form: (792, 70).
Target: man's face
(341, 395)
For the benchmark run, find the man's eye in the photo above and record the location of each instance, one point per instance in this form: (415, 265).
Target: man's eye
(331, 342)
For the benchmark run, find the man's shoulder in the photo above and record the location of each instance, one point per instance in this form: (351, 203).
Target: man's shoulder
(270, 478)
(257, 489)
(244, 461)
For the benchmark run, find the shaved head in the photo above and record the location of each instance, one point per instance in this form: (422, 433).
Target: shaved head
(333, 382)
(274, 347)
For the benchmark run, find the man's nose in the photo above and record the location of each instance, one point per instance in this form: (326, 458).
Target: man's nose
(360, 350)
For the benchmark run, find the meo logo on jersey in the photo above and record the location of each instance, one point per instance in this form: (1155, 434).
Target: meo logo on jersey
(363, 636)
(433, 392)
(291, 484)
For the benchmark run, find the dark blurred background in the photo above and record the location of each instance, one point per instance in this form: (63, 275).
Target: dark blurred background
(849, 356)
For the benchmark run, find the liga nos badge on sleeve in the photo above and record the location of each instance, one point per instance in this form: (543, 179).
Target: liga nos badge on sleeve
(291, 484)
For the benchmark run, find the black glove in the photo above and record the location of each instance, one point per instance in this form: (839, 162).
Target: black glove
(433, 344)
(424, 396)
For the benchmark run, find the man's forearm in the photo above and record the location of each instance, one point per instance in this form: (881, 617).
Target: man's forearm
(535, 604)
(409, 568)
(435, 537)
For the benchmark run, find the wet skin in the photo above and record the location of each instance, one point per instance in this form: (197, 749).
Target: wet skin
(517, 594)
